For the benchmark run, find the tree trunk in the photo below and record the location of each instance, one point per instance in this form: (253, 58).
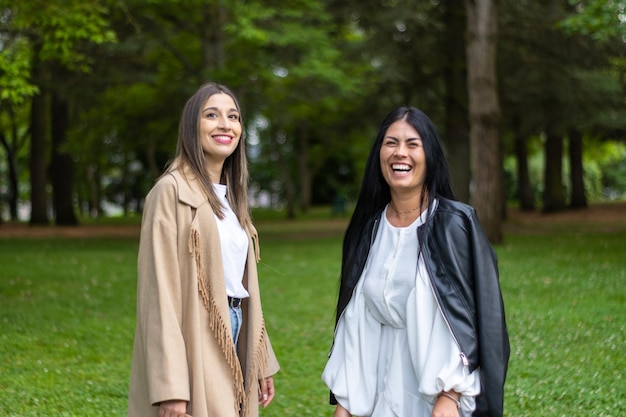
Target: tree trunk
(61, 166)
(579, 198)
(524, 188)
(285, 175)
(11, 150)
(484, 116)
(306, 176)
(553, 194)
(38, 150)
(456, 123)
(94, 191)
(214, 38)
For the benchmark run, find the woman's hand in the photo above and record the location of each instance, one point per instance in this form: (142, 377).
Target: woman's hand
(173, 408)
(446, 407)
(341, 412)
(266, 391)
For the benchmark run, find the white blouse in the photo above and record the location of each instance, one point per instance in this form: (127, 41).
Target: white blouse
(393, 352)
(234, 243)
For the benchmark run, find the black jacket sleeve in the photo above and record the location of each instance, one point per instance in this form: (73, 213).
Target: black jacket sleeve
(493, 339)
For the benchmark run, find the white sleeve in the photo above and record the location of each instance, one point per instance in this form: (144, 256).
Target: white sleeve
(351, 371)
(435, 354)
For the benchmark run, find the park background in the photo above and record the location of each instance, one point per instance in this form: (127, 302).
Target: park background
(528, 97)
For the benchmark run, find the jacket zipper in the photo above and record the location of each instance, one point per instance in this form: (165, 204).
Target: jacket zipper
(432, 289)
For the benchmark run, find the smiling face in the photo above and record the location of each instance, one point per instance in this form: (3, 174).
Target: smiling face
(402, 159)
(220, 129)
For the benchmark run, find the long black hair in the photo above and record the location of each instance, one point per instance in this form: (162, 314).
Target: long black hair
(375, 193)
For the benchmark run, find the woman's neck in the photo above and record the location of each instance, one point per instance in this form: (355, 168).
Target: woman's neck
(404, 210)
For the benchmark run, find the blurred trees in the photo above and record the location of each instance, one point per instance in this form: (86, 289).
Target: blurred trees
(47, 43)
(559, 88)
(91, 92)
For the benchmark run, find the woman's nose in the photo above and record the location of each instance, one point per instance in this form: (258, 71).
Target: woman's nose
(400, 150)
(223, 123)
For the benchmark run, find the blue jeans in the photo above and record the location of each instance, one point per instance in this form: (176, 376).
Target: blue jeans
(236, 317)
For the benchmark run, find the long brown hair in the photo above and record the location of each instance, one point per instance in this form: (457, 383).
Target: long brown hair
(190, 158)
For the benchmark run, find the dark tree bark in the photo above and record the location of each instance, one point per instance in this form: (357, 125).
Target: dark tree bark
(61, 166)
(524, 188)
(579, 197)
(214, 37)
(306, 176)
(95, 190)
(11, 151)
(285, 175)
(484, 116)
(38, 151)
(456, 123)
(553, 194)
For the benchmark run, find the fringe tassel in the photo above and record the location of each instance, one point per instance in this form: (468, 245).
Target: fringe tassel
(257, 248)
(217, 325)
(261, 358)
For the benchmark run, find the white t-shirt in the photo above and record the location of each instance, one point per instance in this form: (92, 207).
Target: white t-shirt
(234, 244)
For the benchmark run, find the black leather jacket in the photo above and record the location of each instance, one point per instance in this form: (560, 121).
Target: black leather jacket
(464, 275)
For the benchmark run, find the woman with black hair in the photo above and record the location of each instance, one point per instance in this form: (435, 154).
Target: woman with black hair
(420, 326)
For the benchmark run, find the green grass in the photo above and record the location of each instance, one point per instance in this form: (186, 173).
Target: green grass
(66, 314)
(67, 320)
(565, 298)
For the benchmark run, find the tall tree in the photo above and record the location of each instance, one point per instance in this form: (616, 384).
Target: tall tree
(600, 25)
(524, 188)
(484, 115)
(15, 90)
(554, 80)
(554, 191)
(61, 165)
(456, 123)
(579, 198)
(56, 31)
(299, 89)
(38, 146)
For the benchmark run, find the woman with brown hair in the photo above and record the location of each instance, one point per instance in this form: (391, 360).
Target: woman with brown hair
(201, 346)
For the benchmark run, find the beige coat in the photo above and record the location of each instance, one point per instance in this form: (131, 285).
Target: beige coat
(183, 343)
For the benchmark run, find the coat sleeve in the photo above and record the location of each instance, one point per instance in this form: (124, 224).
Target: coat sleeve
(492, 333)
(159, 298)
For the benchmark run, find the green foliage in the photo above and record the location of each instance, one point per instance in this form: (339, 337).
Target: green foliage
(599, 19)
(15, 86)
(321, 73)
(58, 29)
(67, 311)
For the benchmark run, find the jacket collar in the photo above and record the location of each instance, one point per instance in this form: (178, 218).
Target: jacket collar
(190, 191)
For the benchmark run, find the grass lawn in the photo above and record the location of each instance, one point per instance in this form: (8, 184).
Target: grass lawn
(67, 309)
